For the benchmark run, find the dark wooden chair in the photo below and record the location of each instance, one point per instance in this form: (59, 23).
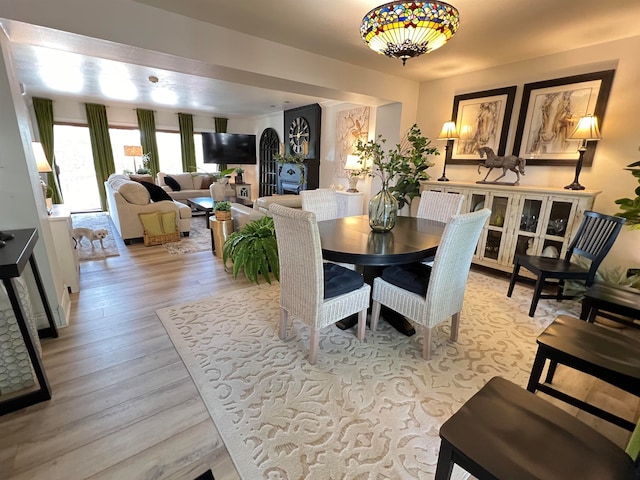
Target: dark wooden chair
(614, 302)
(593, 240)
(505, 432)
(592, 349)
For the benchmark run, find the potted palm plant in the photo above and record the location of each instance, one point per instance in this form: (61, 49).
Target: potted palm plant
(253, 249)
(222, 210)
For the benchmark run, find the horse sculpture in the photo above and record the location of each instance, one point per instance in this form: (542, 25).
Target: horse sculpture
(509, 162)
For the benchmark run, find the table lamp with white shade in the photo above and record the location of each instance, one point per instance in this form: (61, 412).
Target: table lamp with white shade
(448, 133)
(587, 130)
(356, 167)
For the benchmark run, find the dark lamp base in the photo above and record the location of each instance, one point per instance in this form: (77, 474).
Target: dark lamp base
(352, 190)
(574, 186)
(443, 179)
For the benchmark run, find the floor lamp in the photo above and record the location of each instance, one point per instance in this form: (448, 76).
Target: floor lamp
(448, 133)
(587, 130)
(133, 151)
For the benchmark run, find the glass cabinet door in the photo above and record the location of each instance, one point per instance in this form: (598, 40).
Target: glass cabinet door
(528, 227)
(530, 216)
(555, 235)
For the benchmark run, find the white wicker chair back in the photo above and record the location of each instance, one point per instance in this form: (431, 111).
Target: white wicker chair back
(322, 202)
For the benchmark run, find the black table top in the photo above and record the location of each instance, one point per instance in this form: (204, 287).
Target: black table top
(351, 240)
(201, 202)
(15, 255)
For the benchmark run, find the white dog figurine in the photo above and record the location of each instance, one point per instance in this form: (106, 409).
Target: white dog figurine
(91, 235)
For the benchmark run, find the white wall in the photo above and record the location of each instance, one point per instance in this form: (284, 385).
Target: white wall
(620, 133)
(21, 199)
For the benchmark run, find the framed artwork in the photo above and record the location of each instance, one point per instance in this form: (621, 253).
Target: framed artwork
(482, 120)
(551, 110)
(351, 125)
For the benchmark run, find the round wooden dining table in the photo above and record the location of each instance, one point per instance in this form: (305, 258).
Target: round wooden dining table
(351, 240)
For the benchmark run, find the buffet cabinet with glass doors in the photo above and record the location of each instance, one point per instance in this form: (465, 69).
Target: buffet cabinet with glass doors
(524, 219)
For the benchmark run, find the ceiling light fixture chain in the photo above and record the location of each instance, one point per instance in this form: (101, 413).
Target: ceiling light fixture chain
(408, 29)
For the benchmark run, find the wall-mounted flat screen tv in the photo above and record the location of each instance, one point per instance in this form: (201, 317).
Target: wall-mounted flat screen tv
(229, 148)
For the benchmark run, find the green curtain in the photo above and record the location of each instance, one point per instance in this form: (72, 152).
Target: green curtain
(100, 146)
(186, 142)
(221, 127)
(147, 126)
(43, 108)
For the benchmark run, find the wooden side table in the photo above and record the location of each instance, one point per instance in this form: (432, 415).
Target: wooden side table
(13, 259)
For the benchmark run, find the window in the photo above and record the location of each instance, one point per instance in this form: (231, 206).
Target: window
(74, 158)
(77, 175)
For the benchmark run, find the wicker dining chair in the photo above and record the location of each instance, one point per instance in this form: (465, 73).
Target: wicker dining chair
(429, 296)
(317, 293)
(321, 201)
(440, 207)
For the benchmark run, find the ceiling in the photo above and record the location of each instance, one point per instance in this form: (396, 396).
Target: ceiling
(490, 34)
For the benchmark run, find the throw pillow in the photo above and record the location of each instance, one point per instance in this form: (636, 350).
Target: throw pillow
(185, 180)
(156, 193)
(152, 223)
(141, 177)
(169, 222)
(207, 180)
(133, 192)
(172, 182)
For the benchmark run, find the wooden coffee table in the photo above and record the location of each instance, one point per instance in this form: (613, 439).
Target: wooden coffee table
(202, 204)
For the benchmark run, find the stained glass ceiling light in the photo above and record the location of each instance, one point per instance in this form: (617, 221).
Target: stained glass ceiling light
(408, 29)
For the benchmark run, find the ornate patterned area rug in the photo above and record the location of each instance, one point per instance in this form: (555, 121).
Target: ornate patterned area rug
(367, 409)
(199, 239)
(95, 221)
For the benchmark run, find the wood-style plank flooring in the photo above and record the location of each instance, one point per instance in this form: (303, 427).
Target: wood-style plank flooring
(124, 405)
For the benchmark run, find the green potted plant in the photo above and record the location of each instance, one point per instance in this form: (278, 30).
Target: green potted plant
(407, 162)
(239, 172)
(222, 210)
(253, 249)
(631, 206)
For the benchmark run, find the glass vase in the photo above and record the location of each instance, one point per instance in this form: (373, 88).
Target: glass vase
(383, 210)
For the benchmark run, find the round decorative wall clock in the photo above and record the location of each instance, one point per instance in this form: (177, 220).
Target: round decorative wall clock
(299, 133)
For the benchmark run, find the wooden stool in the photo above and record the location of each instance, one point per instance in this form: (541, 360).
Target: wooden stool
(504, 432)
(612, 302)
(597, 351)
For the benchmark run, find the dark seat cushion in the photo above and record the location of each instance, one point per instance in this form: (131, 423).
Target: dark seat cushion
(413, 277)
(156, 193)
(339, 280)
(172, 182)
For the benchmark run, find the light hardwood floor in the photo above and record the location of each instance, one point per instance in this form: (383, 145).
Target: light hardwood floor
(124, 405)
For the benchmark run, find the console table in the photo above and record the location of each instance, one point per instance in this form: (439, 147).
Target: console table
(13, 259)
(524, 219)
